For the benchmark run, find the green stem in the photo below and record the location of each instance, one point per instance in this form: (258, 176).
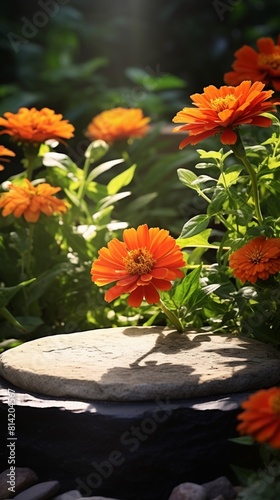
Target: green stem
(171, 316)
(30, 153)
(83, 184)
(218, 216)
(28, 253)
(239, 151)
(29, 168)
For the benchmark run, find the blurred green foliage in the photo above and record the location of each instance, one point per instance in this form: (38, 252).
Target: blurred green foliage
(80, 57)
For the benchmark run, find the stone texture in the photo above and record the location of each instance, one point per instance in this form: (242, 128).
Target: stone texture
(41, 491)
(137, 363)
(24, 477)
(188, 491)
(220, 486)
(161, 443)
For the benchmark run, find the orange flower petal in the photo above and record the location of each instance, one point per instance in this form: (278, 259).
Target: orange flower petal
(113, 293)
(151, 294)
(145, 262)
(36, 126)
(5, 152)
(261, 416)
(221, 110)
(262, 65)
(258, 259)
(117, 124)
(30, 201)
(136, 297)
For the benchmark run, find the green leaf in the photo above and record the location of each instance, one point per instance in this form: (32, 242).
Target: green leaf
(7, 293)
(219, 198)
(187, 177)
(75, 71)
(30, 323)
(9, 343)
(96, 150)
(111, 200)
(96, 191)
(195, 226)
(272, 185)
(229, 178)
(204, 178)
(243, 475)
(210, 154)
(188, 286)
(104, 167)
(200, 240)
(43, 281)
(10, 318)
(154, 82)
(142, 201)
(246, 440)
(163, 168)
(121, 180)
(203, 165)
(200, 295)
(60, 160)
(74, 241)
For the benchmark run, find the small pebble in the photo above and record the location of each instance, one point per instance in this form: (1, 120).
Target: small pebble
(69, 495)
(220, 486)
(24, 478)
(188, 491)
(41, 491)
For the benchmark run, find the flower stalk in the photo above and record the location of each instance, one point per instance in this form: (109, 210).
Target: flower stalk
(83, 184)
(239, 151)
(171, 316)
(31, 154)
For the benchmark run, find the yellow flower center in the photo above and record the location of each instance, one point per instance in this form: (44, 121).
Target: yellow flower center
(256, 256)
(221, 103)
(272, 60)
(139, 261)
(275, 404)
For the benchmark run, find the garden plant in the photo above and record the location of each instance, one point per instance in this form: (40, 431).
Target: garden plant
(70, 263)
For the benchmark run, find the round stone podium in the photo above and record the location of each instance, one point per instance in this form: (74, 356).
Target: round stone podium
(130, 413)
(139, 363)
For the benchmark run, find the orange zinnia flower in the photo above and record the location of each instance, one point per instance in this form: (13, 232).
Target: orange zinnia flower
(222, 110)
(262, 66)
(261, 416)
(5, 152)
(145, 262)
(259, 258)
(117, 124)
(30, 201)
(36, 126)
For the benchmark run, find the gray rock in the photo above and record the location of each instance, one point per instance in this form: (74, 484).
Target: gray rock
(220, 486)
(219, 497)
(106, 433)
(41, 491)
(24, 478)
(69, 495)
(139, 364)
(188, 491)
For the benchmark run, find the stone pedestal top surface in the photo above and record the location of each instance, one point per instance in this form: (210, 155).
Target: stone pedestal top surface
(140, 364)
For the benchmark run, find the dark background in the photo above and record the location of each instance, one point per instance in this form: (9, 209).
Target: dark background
(80, 57)
(46, 58)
